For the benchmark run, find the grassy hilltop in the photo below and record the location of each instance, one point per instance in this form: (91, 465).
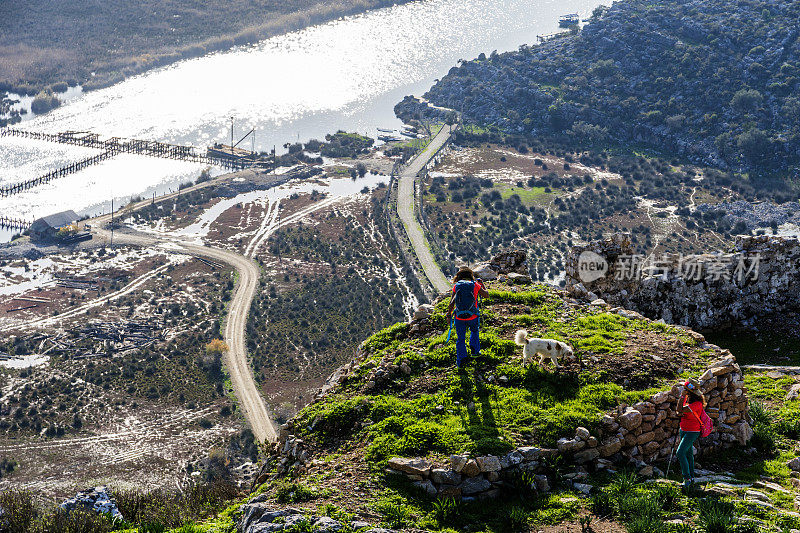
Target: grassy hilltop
(405, 398)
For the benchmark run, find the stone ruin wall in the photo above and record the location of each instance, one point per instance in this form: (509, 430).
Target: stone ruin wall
(704, 291)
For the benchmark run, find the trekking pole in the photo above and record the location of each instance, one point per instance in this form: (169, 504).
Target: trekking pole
(452, 323)
(671, 455)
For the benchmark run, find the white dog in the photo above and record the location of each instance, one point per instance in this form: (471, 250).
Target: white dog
(544, 348)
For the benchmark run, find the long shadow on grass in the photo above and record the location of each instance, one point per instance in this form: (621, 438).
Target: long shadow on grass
(481, 427)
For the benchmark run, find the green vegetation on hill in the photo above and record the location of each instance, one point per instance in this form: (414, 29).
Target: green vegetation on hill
(497, 404)
(562, 195)
(714, 81)
(405, 398)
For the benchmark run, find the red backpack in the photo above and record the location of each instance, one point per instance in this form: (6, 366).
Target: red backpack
(706, 424)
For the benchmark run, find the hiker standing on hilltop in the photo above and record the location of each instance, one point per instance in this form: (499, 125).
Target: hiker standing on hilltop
(464, 302)
(691, 407)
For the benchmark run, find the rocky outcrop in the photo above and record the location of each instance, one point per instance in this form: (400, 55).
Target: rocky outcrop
(759, 278)
(258, 517)
(637, 435)
(96, 499)
(509, 266)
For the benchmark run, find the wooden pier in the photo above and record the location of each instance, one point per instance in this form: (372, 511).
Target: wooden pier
(110, 148)
(14, 223)
(16, 188)
(128, 146)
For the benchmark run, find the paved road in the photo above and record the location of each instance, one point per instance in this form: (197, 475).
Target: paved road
(244, 386)
(405, 209)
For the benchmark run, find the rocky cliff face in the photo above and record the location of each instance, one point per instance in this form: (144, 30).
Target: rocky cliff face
(757, 280)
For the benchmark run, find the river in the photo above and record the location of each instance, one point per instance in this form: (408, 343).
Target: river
(346, 74)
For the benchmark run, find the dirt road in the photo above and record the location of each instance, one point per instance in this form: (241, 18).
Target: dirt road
(405, 209)
(244, 385)
(236, 360)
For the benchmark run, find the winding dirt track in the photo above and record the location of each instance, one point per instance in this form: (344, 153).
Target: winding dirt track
(236, 360)
(405, 209)
(244, 386)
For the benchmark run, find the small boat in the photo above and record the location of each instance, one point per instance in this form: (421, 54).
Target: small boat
(570, 19)
(389, 138)
(384, 130)
(411, 134)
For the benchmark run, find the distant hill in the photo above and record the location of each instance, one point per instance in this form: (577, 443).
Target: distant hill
(710, 79)
(43, 42)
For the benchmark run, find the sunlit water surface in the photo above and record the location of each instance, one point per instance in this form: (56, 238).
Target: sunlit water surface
(347, 74)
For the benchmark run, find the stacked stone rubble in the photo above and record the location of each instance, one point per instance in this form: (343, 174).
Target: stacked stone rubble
(759, 278)
(474, 478)
(293, 454)
(509, 266)
(646, 431)
(257, 516)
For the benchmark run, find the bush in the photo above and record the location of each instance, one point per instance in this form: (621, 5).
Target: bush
(717, 516)
(171, 509)
(292, 492)
(764, 434)
(395, 514)
(602, 504)
(18, 510)
(644, 524)
(446, 510)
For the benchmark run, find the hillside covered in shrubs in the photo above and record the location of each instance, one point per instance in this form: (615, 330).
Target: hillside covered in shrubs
(713, 80)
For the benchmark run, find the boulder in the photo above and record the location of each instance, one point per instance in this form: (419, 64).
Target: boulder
(519, 279)
(587, 455)
(423, 311)
(484, 272)
(794, 392)
(570, 445)
(419, 467)
(490, 463)
(471, 468)
(542, 484)
(742, 432)
(326, 523)
(445, 475)
(610, 447)
(426, 487)
(530, 453)
(449, 491)
(630, 419)
(457, 462)
(474, 485)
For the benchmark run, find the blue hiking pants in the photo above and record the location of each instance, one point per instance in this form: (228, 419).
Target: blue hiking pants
(686, 455)
(474, 343)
